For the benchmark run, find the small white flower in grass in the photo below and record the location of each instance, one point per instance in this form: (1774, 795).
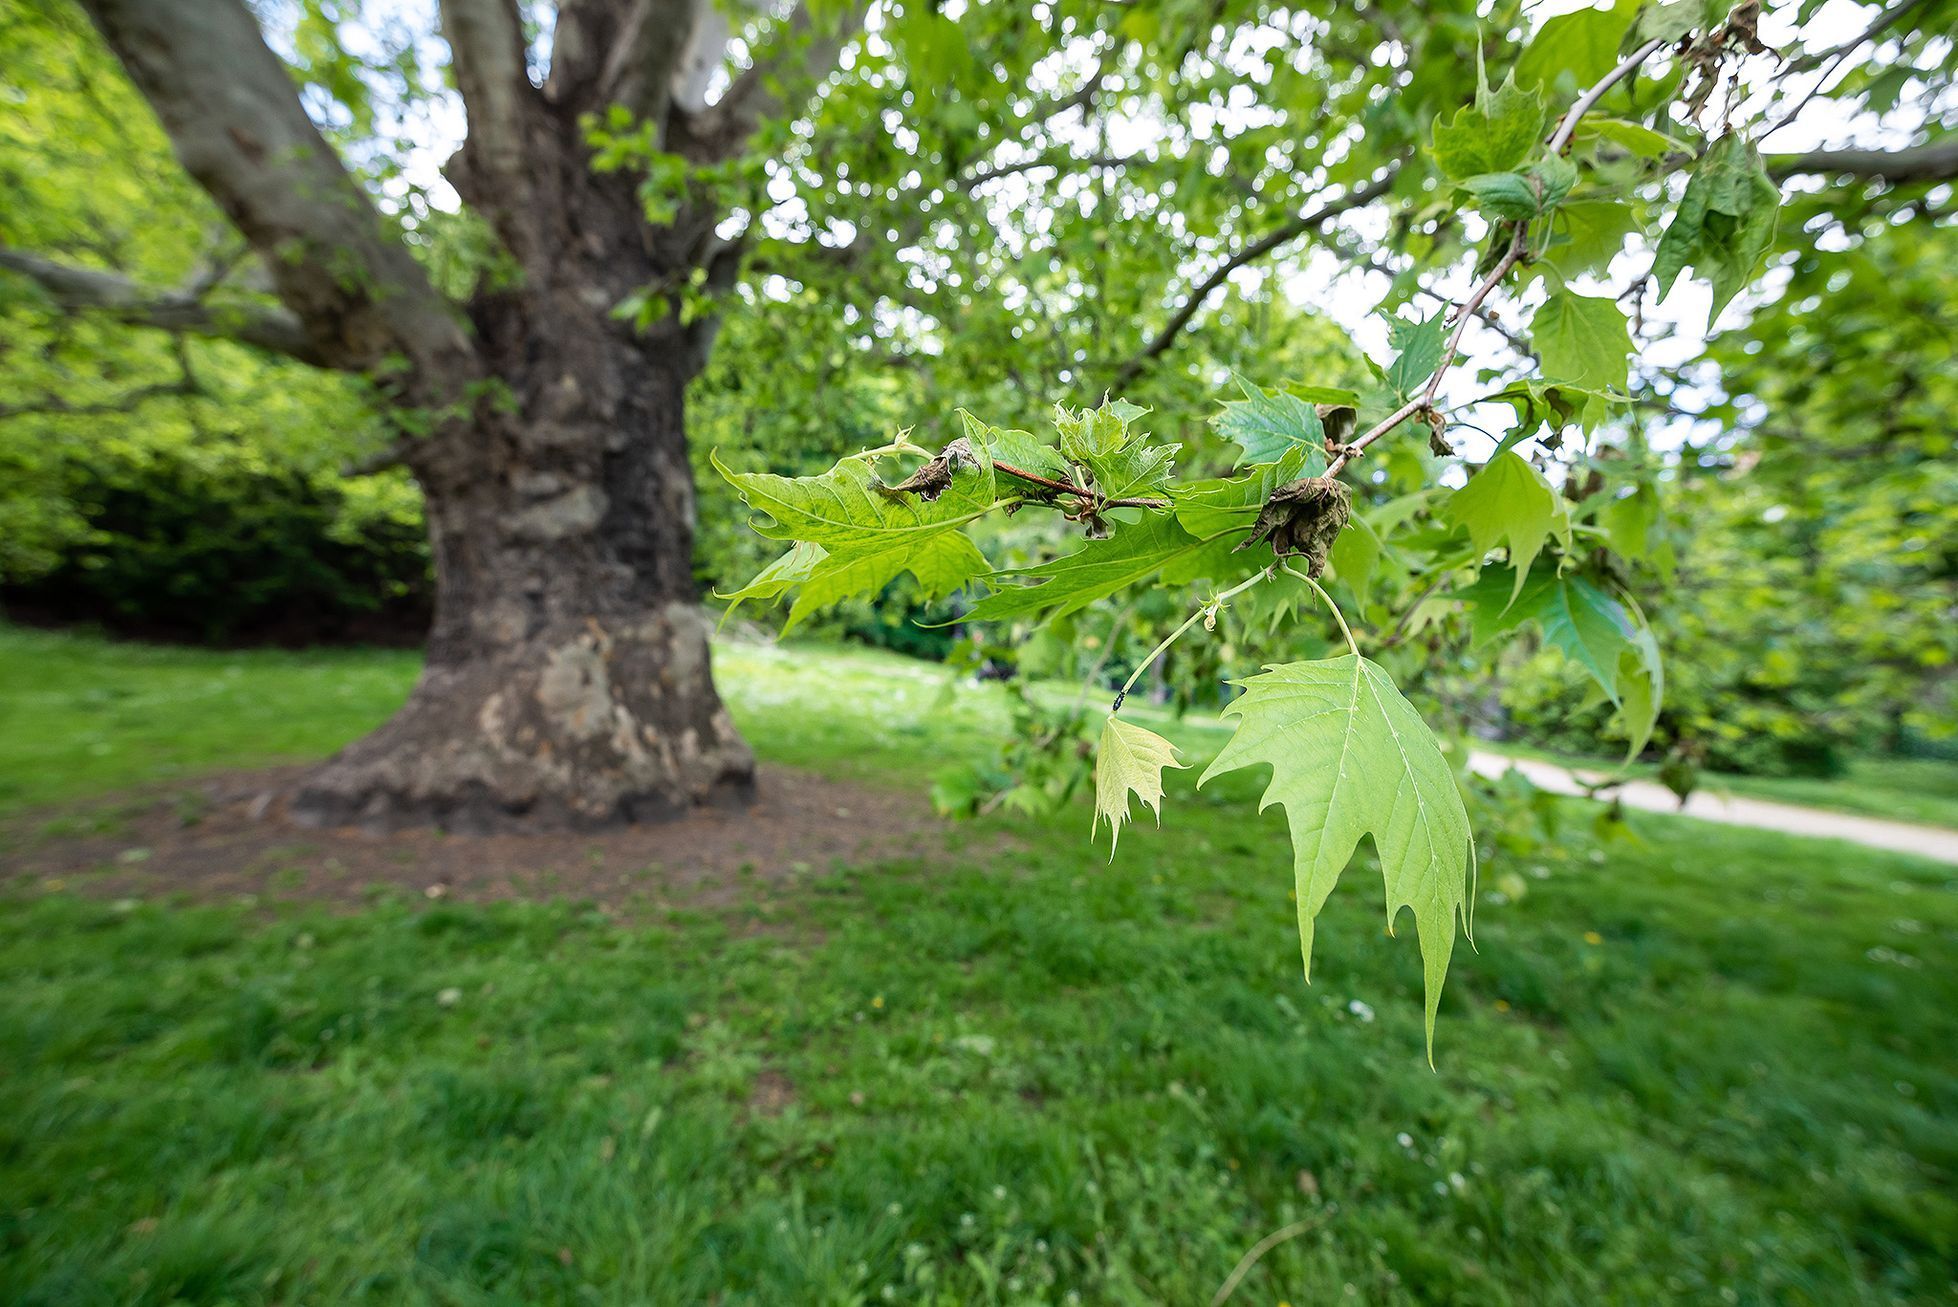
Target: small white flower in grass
(449, 997)
(1405, 1140)
(1360, 1010)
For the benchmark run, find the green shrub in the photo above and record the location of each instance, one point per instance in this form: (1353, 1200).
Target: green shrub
(218, 541)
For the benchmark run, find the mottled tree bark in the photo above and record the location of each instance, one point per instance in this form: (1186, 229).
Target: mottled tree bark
(568, 679)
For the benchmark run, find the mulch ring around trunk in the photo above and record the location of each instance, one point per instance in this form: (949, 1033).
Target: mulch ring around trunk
(224, 837)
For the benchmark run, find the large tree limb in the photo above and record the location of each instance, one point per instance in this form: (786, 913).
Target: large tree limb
(76, 288)
(585, 31)
(652, 47)
(487, 55)
(1312, 219)
(782, 77)
(1935, 162)
(233, 116)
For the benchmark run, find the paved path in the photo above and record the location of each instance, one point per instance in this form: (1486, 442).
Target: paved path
(1902, 837)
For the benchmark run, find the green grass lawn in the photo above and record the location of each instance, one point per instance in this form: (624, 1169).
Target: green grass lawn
(1711, 1065)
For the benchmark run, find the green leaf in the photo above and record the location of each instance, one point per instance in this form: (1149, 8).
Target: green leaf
(1122, 460)
(1267, 424)
(1583, 44)
(1539, 404)
(1350, 757)
(1522, 196)
(1093, 432)
(1725, 222)
(1582, 339)
(1208, 509)
(1356, 555)
(786, 572)
(1066, 585)
(1585, 623)
(1635, 137)
(870, 534)
(1417, 352)
(1020, 448)
(1509, 500)
(1495, 134)
(1128, 761)
(1587, 234)
(1669, 22)
(1627, 521)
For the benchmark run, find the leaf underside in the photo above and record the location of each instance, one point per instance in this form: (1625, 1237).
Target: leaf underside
(1129, 760)
(1349, 757)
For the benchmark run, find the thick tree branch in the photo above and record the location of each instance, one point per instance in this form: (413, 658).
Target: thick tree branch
(487, 54)
(487, 47)
(1935, 162)
(74, 288)
(585, 31)
(663, 55)
(1884, 20)
(232, 114)
(781, 78)
(986, 174)
(1291, 231)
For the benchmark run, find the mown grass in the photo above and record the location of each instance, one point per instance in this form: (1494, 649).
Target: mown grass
(1708, 1066)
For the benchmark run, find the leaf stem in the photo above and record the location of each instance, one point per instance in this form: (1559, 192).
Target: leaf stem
(1209, 608)
(1338, 616)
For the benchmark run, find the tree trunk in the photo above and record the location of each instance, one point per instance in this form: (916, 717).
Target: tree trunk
(567, 682)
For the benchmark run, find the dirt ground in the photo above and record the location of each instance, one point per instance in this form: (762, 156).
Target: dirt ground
(225, 837)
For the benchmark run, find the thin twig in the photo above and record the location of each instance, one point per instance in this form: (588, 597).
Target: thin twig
(1209, 608)
(1568, 127)
(1518, 249)
(1425, 400)
(1263, 1246)
(1063, 488)
(1130, 368)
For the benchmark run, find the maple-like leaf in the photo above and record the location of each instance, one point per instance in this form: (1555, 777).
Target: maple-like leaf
(1268, 425)
(1508, 500)
(869, 533)
(1500, 130)
(1582, 340)
(785, 573)
(1724, 224)
(1128, 761)
(1349, 756)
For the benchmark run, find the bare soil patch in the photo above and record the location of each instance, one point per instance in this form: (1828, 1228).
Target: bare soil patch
(226, 837)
